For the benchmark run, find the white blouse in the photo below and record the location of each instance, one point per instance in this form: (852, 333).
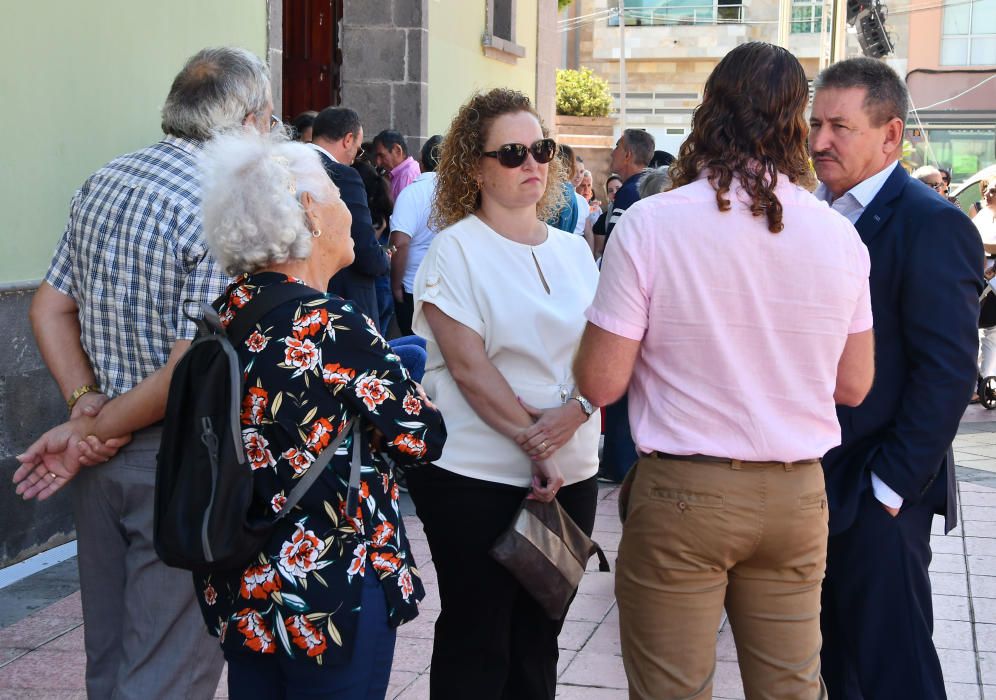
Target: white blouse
(527, 303)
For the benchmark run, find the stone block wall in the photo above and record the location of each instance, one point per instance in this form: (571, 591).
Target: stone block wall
(385, 67)
(30, 403)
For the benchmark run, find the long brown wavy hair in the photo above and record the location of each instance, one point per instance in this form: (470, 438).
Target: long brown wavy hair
(458, 193)
(751, 125)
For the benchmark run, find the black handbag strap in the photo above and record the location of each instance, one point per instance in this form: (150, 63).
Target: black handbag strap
(263, 303)
(603, 562)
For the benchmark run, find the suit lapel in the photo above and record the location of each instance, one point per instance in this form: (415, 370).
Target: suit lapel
(878, 211)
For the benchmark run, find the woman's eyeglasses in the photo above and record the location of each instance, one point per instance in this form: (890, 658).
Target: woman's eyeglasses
(512, 155)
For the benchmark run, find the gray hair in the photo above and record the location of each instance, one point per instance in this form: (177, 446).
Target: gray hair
(216, 90)
(925, 171)
(250, 198)
(654, 181)
(886, 97)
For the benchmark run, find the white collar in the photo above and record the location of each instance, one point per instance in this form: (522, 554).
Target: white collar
(322, 150)
(863, 192)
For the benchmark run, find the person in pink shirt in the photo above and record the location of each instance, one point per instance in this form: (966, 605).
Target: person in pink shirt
(735, 309)
(391, 154)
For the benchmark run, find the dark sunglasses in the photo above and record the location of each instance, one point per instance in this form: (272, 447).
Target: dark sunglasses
(512, 155)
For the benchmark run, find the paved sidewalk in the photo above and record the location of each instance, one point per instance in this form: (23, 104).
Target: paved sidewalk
(41, 654)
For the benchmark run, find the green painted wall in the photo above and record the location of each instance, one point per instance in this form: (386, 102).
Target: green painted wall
(456, 58)
(81, 83)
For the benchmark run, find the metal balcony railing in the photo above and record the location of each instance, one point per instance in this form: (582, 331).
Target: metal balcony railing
(680, 13)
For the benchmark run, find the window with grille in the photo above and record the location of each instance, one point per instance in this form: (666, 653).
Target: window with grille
(969, 33)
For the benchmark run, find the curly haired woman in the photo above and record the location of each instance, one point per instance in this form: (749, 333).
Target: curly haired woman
(500, 297)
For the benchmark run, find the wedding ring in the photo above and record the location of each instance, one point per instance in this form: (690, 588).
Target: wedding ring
(543, 445)
(52, 474)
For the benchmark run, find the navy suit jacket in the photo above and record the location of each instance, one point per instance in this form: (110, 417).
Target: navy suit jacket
(356, 282)
(926, 278)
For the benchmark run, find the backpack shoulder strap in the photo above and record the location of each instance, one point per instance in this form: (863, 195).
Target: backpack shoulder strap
(261, 304)
(317, 467)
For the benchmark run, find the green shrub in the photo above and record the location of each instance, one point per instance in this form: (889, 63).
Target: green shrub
(581, 93)
(561, 4)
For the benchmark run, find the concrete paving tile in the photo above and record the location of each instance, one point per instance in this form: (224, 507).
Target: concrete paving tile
(418, 690)
(411, 654)
(44, 670)
(987, 667)
(33, 631)
(605, 638)
(399, 681)
(580, 692)
(985, 636)
(47, 694)
(981, 565)
(609, 542)
(985, 514)
(951, 607)
(971, 486)
(575, 633)
(980, 450)
(589, 608)
(953, 634)
(958, 665)
(607, 523)
(726, 682)
(937, 527)
(422, 627)
(978, 528)
(726, 648)
(595, 669)
(963, 691)
(70, 641)
(8, 654)
(983, 586)
(980, 545)
(946, 545)
(564, 659)
(948, 563)
(431, 600)
(598, 583)
(949, 584)
(985, 610)
(977, 498)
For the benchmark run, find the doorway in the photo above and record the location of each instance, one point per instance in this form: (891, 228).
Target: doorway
(312, 55)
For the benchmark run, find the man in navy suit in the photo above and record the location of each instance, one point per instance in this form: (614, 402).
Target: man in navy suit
(337, 135)
(894, 469)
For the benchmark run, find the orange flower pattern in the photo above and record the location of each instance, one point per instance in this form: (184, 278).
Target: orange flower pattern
(307, 372)
(304, 635)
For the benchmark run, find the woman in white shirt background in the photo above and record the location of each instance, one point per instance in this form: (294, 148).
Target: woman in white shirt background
(500, 299)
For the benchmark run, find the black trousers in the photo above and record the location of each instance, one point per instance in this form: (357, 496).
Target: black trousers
(877, 618)
(492, 640)
(403, 312)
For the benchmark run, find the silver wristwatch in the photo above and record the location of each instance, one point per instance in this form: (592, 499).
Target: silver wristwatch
(585, 404)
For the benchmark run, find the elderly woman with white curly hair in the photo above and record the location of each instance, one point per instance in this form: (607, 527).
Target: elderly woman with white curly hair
(314, 613)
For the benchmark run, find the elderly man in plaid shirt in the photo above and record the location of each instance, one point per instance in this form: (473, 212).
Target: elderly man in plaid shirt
(109, 322)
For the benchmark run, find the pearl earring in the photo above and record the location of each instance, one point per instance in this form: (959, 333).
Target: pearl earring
(316, 233)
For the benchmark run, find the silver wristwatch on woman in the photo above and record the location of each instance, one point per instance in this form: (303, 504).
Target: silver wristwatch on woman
(585, 403)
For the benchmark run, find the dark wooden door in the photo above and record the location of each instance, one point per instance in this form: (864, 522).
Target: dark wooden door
(312, 56)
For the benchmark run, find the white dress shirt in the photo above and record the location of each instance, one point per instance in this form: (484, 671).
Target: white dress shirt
(322, 150)
(852, 205)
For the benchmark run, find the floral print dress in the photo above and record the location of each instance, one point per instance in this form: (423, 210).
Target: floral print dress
(310, 367)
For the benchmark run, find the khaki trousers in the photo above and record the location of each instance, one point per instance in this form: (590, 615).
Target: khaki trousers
(699, 536)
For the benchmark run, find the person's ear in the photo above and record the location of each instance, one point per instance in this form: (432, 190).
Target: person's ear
(310, 210)
(893, 135)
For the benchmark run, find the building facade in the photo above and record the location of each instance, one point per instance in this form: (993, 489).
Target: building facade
(83, 84)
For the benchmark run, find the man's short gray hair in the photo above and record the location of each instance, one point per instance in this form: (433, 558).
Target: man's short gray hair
(250, 190)
(925, 171)
(654, 181)
(216, 90)
(886, 97)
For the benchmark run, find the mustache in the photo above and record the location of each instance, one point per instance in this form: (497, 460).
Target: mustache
(825, 154)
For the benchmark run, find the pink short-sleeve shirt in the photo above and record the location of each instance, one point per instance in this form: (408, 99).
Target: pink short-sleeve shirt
(740, 329)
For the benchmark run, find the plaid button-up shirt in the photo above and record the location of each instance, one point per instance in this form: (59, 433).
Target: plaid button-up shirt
(132, 253)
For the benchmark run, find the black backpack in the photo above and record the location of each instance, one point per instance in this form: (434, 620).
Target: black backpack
(206, 516)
